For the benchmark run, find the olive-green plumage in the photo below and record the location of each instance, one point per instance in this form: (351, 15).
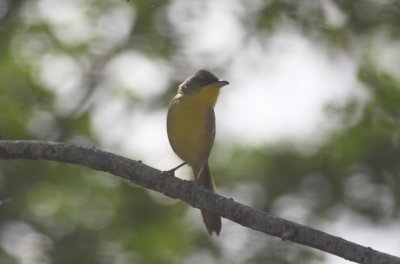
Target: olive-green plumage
(191, 130)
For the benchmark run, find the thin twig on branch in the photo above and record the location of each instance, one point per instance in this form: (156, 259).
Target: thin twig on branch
(150, 178)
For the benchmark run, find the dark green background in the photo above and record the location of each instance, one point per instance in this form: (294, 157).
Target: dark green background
(66, 214)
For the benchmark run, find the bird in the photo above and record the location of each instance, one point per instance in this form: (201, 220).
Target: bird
(191, 131)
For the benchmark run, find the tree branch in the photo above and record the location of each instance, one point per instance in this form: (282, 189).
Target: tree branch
(150, 178)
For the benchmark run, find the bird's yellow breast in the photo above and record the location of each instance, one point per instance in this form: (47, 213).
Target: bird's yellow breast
(191, 125)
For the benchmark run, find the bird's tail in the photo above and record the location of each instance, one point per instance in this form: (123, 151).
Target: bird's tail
(204, 178)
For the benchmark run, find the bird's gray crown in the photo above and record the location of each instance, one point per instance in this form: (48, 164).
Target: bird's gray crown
(199, 79)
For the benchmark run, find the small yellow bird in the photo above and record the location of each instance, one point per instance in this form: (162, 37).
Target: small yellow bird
(191, 130)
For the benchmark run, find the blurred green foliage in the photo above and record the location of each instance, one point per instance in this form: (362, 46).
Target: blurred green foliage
(65, 214)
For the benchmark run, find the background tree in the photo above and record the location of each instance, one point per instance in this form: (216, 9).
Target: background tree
(101, 73)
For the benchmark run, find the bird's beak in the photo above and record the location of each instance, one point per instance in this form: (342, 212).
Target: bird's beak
(221, 83)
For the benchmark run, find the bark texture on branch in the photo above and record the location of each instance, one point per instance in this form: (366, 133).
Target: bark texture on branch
(150, 178)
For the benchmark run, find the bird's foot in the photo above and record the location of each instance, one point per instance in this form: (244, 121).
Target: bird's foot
(171, 172)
